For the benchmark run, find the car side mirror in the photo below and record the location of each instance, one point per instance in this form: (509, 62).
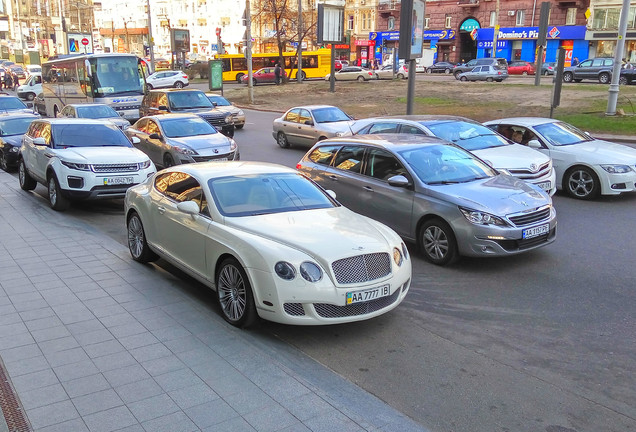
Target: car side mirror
(535, 144)
(188, 207)
(309, 122)
(399, 181)
(215, 104)
(163, 108)
(135, 140)
(589, 135)
(154, 136)
(331, 193)
(39, 141)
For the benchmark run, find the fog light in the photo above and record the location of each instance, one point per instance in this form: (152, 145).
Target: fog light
(495, 238)
(75, 182)
(619, 186)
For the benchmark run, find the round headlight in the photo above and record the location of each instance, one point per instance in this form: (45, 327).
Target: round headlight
(285, 270)
(310, 272)
(397, 256)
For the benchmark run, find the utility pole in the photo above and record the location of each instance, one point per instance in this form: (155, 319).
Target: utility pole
(299, 71)
(495, 31)
(248, 51)
(612, 100)
(151, 41)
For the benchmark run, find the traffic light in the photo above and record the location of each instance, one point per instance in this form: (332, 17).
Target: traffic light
(146, 50)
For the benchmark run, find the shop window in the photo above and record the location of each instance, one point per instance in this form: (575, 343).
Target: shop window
(516, 49)
(447, 21)
(570, 17)
(520, 17)
(493, 18)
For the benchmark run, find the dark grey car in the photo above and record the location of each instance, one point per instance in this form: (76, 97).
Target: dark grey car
(434, 193)
(598, 69)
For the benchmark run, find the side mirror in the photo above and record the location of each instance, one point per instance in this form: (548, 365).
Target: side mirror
(589, 135)
(154, 136)
(215, 104)
(39, 141)
(163, 108)
(309, 122)
(331, 193)
(87, 65)
(135, 140)
(399, 181)
(188, 207)
(535, 144)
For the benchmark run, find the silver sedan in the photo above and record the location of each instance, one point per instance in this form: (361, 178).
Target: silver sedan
(174, 139)
(484, 73)
(305, 125)
(434, 193)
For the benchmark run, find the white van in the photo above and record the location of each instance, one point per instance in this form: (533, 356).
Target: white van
(31, 87)
(33, 69)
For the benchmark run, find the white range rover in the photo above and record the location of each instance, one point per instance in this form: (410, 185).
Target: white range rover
(80, 159)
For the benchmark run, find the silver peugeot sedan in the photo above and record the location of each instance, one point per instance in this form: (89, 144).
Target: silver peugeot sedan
(305, 125)
(434, 193)
(174, 139)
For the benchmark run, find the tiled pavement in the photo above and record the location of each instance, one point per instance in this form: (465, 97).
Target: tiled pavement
(96, 342)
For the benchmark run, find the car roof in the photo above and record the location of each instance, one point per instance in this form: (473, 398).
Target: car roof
(173, 90)
(164, 117)
(312, 107)
(86, 104)
(427, 118)
(8, 115)
(388, 141)
(524, 121)
(229, 169)
(67, 120)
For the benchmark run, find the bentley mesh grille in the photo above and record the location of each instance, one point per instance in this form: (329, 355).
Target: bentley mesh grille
(332, 311)
(521, 219)
(295, 309)
(109, 168)
(361, 268)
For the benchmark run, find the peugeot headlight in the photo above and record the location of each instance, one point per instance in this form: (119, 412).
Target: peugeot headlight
(285, 270)
(233, 145)
(482, 218)
(616, 169)
(241, 112)
(397, 257)
(144, 165)
(310, 271)
(228, 118)
(185, 150)
(14, 149)
(76, 166)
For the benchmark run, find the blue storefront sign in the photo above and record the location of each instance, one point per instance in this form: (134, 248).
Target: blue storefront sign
(528, 37)
(430, 35)
(438, 34)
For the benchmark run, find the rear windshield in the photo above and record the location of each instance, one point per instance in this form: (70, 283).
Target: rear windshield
(93, 135)
(469, 136)
(16, 126)
(96, 112)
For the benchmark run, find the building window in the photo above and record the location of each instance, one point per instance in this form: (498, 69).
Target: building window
(391, 23)
(350, 23)
(447, 22)
(606, 18)
(520, 17)
(493, 18)
(570, 17)
(426, 22)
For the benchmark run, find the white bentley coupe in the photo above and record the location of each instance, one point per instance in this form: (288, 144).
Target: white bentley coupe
(271, 243)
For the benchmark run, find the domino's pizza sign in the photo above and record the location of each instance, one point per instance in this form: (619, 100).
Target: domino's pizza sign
(554, 32)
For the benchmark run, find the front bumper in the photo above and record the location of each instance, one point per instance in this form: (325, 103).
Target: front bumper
(85, 185)
(614, 184)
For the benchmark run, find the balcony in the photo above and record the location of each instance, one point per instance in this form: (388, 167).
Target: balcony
(388, 7)
(468, 4)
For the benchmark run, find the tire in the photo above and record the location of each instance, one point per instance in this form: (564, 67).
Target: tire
(457, 74)
(178, 85)
(322, 138)
(437, 242)
(447, 71)
(463, 79)
(400, 76)
(281, 140)
(57, 201)
(234, 293)
(581, 183)
(361, 78)
(303, 76)
(524, 73)
(428, 70)
(168, 160)
(30, 96)
(622, 81)
(239, 78)
(150, 87)
(239, 126)
(254, 82)
(568, 77)
(137, 243)
(604, 78)
(545, 73)
(3, 161)
(27, 182)
(488, 79)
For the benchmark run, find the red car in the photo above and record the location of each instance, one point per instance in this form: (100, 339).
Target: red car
(263, 75)
(339, 64)
(519, 67)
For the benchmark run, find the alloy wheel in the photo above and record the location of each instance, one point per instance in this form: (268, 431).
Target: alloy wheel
(136, 240)
(581, 183)
(435, 242)
(232, 293)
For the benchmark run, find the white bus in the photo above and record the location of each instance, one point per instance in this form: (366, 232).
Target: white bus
(114, 79)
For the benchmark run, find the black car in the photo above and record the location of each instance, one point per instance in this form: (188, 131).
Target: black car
(628, 74)
(12, 127)
(164, 101)
(441, 67)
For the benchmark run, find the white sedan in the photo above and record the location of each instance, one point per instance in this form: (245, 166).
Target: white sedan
(270, 242)
(585, 167)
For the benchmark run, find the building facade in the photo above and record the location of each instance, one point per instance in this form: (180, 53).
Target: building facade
(602, 32)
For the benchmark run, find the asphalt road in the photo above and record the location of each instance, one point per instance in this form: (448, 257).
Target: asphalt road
(544, 341)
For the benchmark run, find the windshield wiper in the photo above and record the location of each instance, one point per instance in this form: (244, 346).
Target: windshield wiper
(443, 182)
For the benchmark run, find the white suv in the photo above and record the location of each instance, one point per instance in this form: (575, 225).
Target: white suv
(80, 159)
(161, 79)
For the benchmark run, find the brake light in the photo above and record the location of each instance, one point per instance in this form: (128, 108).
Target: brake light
(298, 166)
(370, 73)
(498, 72)
(185, 76)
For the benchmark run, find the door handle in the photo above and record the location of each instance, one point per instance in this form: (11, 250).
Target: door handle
(161, 210)
(333, 177)
(368, 188)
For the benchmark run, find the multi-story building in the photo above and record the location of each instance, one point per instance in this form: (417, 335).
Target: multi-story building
(602, 32)
(360, 19)
(460, 30)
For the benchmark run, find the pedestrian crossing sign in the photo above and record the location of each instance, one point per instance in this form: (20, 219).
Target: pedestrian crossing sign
(73, 45)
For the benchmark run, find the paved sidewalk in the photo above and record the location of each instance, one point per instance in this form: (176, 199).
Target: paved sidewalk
(95, 342)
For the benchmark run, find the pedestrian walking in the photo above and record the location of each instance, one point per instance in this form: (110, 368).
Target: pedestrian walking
(16, 81)
(2, 73)
(8, 80)
(575, 61)
(277, 73)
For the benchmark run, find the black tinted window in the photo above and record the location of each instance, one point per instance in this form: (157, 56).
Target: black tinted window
(93, 135)
(323, 155)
